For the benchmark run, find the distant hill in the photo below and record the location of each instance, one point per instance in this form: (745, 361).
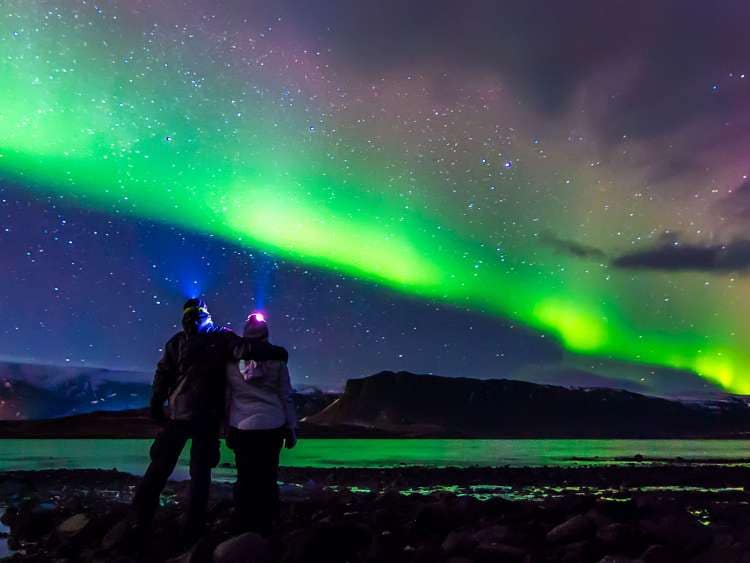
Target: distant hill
(31, 391)
(137, 424)
(102, 424)
(403, 404)
(428, 405)
(311, 400)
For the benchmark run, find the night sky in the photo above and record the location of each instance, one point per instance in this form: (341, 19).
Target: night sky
(556, 192)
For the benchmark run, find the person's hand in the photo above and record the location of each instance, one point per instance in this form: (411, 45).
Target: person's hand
(156, 412)
(290, 438)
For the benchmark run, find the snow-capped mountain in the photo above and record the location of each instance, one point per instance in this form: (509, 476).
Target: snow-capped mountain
(29, 391)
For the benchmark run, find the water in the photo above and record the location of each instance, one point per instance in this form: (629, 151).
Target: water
(132, 455)
(4, 549)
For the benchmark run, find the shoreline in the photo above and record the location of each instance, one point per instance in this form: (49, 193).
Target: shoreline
(649, 513)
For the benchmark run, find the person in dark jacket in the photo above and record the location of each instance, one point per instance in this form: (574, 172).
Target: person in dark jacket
(191, 376)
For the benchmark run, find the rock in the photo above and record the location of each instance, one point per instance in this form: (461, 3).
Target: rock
(246, 548)
(578, 527)
(571, 504)
(332, 543)
(724, 536)
(433, 519)
(616, 536)
(9, 517)
(498, 553)
(458, 542)
(578, 552)
(427, 554)
(385, 546)
(492, 534)
(201, 552)
(618, 559)
(599, 517)
(12, 488)
(465, 506)
(719, 554)
(680, 531)
(32, 520)
(182, 558)
(118, 535)
(657, 554)
(459, 560)
(73, 527)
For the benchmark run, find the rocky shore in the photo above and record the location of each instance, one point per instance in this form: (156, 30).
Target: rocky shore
(650, 514)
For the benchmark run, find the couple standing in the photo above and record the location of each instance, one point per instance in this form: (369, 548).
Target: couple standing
(210, 376)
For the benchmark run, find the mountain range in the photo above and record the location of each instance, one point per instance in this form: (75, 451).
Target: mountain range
(32, 391)
(402, 404)
(429, 405)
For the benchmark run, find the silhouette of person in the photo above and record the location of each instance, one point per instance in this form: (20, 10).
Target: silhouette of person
(261, 417)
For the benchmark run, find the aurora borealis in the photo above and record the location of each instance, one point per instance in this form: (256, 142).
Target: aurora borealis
(534, 167)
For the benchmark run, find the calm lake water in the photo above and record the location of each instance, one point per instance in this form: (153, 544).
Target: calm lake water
(132, 455)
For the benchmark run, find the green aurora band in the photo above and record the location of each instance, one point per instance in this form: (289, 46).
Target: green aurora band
(218, 157)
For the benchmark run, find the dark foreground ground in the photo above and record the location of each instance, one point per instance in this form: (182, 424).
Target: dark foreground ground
(647, 513)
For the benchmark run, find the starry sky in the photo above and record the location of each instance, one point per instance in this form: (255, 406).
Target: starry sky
(521, 189)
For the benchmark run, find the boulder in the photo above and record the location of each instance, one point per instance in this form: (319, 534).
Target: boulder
(499, 553)
(201, 552)
(578, 552)
(14, 488)
(9, 517)
(657, 554)
(427, 554)
(385, 546)
(459, 542)
(579, 527)
(492, 534)
(433, 519)
(719, 554)
(246, 548)
(334, 543)
(619, 537)
(680, 531)
(32, 520)
(118, 535)
(73, 527)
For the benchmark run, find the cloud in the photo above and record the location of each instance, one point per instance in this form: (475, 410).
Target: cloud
(672, 255)
(735, 208)
(573, 248)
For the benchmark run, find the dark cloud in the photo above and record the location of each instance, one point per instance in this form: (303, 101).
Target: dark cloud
(544, 50)
(735, 208)
(571, 247)
(672, 255)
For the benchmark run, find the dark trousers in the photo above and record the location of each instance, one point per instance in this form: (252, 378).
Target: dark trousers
(165, 451)
(256, 492)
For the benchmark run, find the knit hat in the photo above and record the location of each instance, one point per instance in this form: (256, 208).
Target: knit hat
(256, 327)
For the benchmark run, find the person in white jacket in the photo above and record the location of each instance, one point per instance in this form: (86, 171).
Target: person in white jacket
(261, 418)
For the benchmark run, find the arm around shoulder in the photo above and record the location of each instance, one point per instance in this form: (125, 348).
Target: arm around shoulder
(247, 349)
